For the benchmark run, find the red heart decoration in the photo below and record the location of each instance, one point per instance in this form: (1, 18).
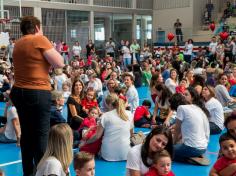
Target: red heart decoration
(224, 35)
(170, 36)
(212, 26)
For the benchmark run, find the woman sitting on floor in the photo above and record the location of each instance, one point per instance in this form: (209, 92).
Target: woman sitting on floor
(191, 127)
(222, 93)
(139, 158)
(11, 132)
(116, 126)
(215, 109)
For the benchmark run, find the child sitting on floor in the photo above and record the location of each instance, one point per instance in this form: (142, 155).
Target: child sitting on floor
(161, 165)
(228, 149)
(182, 86)
(142, 115)
(90, 100)
(88, 129)
(56, 108)
(84, 164)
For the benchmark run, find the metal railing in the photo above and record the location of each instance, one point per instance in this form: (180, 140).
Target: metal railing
(171, 4)
(69, 1)
(114, 3)
(147, 4)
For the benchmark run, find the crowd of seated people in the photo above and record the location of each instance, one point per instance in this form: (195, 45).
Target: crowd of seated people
(99, 101)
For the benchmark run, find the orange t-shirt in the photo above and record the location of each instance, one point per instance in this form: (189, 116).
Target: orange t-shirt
(30, 66)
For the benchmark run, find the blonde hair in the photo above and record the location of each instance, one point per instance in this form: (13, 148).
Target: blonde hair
(116, 102)
(81, 158)
(58, 71)
(157, 156)
(59, 145)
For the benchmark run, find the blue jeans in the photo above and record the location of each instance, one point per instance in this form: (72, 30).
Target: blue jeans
(214, 128)
(33, 107)
(182, 152)
(127, 61)
(137, 56)
(4, 139)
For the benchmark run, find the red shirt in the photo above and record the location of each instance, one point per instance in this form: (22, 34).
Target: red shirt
(87, 123)
(140, 112)
(94, 147)
(232, 82)
(65, 48)
(89, 104)
(180, 89)
(81, 63)
(222, 163)
(153, 172)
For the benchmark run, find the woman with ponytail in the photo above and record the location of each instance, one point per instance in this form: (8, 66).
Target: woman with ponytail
(116, 126)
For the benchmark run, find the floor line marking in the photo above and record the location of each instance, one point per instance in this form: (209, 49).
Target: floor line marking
(10, 163)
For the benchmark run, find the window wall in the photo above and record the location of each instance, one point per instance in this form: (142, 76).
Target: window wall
(122, 27)
(103, 25)
(54, 24)
(144, 29)
(78, 27)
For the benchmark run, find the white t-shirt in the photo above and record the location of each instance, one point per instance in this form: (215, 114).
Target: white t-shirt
(133, 98)
(216, 112)
(195, 128)
(76, 50)
(51, 166)
(126, 52)
(188, 49)
(9, 131)
(116, 138)
(171, 85)
(134, 161)
(212, 47)
(96, 85)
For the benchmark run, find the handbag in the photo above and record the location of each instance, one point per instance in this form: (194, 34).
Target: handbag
(137, 138)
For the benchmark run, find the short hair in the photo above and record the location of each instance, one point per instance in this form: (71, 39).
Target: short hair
(225, 137)
(56, 95)
(28, 25)
(128, 75)
(177, 100)
(232, 117)
(81, 158)
(147, 103)
(158, 155)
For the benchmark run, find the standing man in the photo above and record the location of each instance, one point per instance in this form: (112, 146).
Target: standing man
(178, 31)
(110, 48)
(132, 93)
(135, 51)
(10, 48)
(33, 56)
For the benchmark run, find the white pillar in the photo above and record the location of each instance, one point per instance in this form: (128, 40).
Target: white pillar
(38, 14)
(134, 24)
(20, 8)
(90, 2)
(91, 26)
(134, 4)
(2, 12)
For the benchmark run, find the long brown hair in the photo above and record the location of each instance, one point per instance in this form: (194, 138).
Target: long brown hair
(160, 130)
(73, 88)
